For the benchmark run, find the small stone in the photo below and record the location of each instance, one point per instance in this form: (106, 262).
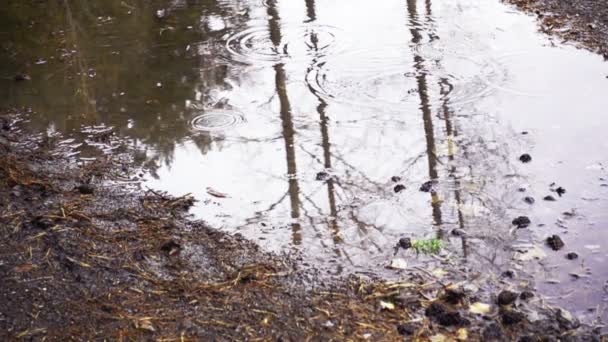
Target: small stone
(525, 158)
(506, 298)
(321, 176)
(524, 132)
(549, 198)
(555, 242)
(426, 186)
(85, 189)
(406, 329)
(526, 295)
(512, 317)
(521, 222)
(529, 200)
(399, 187)
(434, 310)
(396, 179)
(572, 256)
(405, 243)
(560, 191)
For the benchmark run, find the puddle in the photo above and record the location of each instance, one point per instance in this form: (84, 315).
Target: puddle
(308, 116)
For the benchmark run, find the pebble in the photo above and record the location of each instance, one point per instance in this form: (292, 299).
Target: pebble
(406, 329)
(521, 222)
(426, 186)
(506, 298)
(529, 200)
(572, 256)
(396, 179)
(526, 295)
(321, 176)
(398, 188)
(549, 198)
(555, 242)
(525, 158)
(405, 243)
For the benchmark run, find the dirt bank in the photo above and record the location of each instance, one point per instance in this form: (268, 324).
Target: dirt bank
(580, 21)
(86, 255)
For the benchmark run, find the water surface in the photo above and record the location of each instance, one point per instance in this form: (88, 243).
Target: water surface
(293, 122)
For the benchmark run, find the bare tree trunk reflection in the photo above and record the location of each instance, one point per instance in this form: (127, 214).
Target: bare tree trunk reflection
(425, 107)
(445, 89)
(287, 123)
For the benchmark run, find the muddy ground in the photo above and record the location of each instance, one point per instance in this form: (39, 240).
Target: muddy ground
(88, 255)
(583, 22)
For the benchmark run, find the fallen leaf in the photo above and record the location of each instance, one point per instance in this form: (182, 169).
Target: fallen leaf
(23, 268)
(439, 338)
(387, 305)
(480, 308)
(462, 334)
(145, 324)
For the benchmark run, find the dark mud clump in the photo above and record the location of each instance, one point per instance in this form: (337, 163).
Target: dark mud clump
(572, 256)
(525, 295)
(445, 317)
(555, 242)
(322, 176)
(521, 222)
(529, 200)
(511, 317)
(396, 179)
(427, 186)
(549, 198)
(405, 243)
(506, 298)
(398, 188)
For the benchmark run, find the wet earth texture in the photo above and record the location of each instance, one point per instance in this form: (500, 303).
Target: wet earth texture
(333, 129)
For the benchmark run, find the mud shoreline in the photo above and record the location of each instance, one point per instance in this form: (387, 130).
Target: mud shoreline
(582, 22)
(87, 255)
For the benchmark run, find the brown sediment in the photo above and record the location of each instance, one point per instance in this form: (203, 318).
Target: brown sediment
(122, 263)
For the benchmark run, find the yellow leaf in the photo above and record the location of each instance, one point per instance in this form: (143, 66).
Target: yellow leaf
(480, 308)
(387, 305)
(462, 334)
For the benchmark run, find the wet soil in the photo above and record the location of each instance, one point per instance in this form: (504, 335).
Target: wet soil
(584, 22)
(86, 255)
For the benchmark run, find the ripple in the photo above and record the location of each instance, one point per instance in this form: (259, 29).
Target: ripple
(255, 44)
(394, 82)
(217, 120)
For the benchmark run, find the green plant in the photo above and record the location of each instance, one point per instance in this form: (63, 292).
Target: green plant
(430, 246)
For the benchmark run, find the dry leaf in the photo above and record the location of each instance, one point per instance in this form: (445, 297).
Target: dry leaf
(462, 334)
(387, 305)
(480, 308)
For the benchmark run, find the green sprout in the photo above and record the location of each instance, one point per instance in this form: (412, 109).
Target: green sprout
(430, 246)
